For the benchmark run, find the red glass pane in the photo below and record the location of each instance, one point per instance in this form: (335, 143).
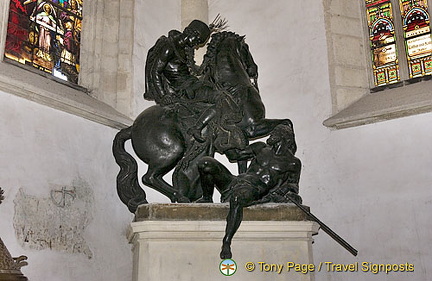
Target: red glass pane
(46, 35)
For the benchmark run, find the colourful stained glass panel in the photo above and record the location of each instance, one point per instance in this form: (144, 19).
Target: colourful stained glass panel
(46, 35)
(417, 34)
(382, 40)
(428, 65)
(393, 74)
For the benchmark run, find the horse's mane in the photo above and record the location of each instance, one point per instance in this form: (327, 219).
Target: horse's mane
(212, 47)
(217, 38)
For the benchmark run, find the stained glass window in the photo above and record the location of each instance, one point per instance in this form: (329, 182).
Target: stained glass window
(417, 35)
(400, 49)
(46, 35)
(382, 41)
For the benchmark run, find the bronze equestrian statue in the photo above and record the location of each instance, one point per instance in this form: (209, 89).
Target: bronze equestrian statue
(200, 110)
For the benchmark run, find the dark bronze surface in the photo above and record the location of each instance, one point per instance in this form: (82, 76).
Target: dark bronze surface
(200, 110)
(272, 176)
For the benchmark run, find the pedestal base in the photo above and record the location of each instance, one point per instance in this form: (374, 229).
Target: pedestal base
(183, 241)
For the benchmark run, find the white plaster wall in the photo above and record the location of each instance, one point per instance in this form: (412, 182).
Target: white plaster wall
(44, 149)
(371, 184)
(377, 194)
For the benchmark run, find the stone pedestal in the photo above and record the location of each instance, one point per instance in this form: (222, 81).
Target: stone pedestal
(10, 268)
(182, 242)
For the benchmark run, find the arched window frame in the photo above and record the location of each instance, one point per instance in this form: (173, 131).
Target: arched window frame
(354, 101)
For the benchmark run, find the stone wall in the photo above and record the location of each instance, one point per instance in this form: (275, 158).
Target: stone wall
(61, 208)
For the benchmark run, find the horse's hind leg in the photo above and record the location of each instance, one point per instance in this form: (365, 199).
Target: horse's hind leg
(154, 179)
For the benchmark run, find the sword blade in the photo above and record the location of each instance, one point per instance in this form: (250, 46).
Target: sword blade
(326, 229)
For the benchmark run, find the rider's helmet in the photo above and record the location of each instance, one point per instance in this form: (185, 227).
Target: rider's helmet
(199, 29)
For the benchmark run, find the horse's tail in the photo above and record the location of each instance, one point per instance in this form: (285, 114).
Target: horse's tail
(128, 188)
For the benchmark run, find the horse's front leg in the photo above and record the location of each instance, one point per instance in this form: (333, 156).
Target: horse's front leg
(254, 123)
(234, 155)
(242, 166)
(263, 127)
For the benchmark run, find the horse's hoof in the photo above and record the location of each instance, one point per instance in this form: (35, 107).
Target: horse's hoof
(204, 200)
(183, 199)
(288, 122)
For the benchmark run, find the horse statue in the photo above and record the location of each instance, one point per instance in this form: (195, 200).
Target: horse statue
(232, 69)
(160, 137)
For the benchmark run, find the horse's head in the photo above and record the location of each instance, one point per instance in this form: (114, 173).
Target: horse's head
(228, 52)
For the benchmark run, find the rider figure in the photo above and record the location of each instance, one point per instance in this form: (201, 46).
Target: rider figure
(274, 170)
(168, 72)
